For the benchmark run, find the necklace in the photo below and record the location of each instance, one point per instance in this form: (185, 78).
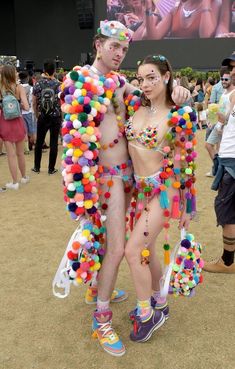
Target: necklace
(188, 13)
(96, 71)
(153, 109)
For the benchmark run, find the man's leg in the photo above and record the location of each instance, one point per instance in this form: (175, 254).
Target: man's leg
(115, 224)
(54, 136)
(41, 134)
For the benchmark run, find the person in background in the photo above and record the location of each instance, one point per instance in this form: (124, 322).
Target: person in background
(28, 115)
(208, 88)
(134, 82)
(46, 106)
(13, 132)
(225, 184)
(2, 153)
(199, 96)
(226, 25)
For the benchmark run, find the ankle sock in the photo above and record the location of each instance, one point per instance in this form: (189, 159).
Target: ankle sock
(228, 257)
(157, 297)
(102, 305)
(144, 309)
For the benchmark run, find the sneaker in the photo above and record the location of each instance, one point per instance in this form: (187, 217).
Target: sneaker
(3, 189)
(26, 152)
(24, 180)
(209, 174)
(52, 171)
(142, 331)
(12, 186)
(91, 295)
(218, 266)
(35, 170)
(3, 153)
(108, 338)
(161, 307)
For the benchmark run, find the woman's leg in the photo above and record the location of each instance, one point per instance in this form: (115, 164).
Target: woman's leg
(20, 157)
(11, 158)
(141, 273)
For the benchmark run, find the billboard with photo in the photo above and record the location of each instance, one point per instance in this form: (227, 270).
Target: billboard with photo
(173, 19)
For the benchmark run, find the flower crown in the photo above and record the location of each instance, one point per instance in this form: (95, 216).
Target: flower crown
(116, 30)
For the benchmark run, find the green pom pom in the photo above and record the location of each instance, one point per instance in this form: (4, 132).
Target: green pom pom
(74, 75)
(147, 189)
(166, 247)
(71, 194)
(99, 31)
(92, 146)
(140, 196)
(82, 117)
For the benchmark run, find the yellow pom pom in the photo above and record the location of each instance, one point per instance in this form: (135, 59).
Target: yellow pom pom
(175, 114)
(73, 117)
(97, 105)
(86, 233)
(109, 94)
(87, 175)
(72, 131)
(97, 266)
(90, 130)
(79, 280)
(88, 204)
(70, 146)
(74, 103)
(186, 116)
(145, 253)
(83, 91)
(77, 153)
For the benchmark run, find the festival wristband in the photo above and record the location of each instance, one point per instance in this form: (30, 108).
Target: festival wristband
(149, 13)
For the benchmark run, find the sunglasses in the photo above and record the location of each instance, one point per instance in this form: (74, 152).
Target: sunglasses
(225, 79)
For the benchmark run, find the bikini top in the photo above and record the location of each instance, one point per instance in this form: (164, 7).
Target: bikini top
(148, 137)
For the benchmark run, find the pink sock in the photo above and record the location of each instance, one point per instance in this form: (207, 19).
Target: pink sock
(102, 305)
(157, 297)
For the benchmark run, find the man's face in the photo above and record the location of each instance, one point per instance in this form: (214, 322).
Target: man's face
(232, 73)
(112, 52)
(226, 80)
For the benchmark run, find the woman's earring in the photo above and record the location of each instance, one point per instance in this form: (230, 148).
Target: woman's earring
(166, 81)
(98, 56)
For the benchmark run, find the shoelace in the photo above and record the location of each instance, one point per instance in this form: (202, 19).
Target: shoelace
(107, 330)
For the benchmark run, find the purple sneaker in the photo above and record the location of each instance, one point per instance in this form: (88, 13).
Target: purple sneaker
(142, 331)
(164, 308)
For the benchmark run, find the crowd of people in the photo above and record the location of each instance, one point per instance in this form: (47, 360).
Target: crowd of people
(150, 19)
(111, 163)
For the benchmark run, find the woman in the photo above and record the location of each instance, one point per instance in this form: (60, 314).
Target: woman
(13, 132)
(190, 19)
(161, 148)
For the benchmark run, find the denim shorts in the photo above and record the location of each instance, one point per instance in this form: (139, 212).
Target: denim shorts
(30, 125)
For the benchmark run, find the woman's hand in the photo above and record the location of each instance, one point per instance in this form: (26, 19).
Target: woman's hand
(180, 95)
(184, 220)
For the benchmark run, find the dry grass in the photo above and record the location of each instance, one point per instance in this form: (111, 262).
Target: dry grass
(39, 331)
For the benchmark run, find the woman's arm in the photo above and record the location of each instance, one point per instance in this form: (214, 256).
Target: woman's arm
(156, 28)
(209, 18)
(224, 19)
(23, 98)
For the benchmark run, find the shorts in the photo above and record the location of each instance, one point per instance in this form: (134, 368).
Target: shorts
(225, 201)
(122, 171)
(29, 123)
(214, 137)
(152, 181)
(208, 131)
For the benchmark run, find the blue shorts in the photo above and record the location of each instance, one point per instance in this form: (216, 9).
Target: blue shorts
(30, 125)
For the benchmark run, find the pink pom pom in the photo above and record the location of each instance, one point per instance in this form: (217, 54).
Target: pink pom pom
(88, 154)
(188, 145)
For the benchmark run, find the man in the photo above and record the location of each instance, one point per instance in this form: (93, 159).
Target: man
(46, 106)
(225, 183)
(111, 45)
(215, 136)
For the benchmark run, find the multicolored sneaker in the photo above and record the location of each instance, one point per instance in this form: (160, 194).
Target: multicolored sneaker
(142, 331)
(117, 295)
(108, 338)
(161, 307)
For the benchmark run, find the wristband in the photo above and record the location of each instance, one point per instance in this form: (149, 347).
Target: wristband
(149, 13)
(206, 10)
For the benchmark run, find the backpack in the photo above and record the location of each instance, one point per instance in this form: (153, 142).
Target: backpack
(200, 96)
(48, 99)
(10, 107)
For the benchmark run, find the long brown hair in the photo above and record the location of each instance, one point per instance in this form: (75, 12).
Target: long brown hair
(8, 79)
(163, 66)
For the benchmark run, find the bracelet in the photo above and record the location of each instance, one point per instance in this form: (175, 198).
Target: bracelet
(149, 13)
(206, 10)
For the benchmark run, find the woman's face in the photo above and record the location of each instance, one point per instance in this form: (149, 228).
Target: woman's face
(152, 83)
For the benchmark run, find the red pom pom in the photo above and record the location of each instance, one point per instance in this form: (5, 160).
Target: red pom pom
(80, 211)
(88, 188)
(166, 225)
(104, 206)
(71, 255)
(76, 168)
(127, 189)
(107, 195)
(163, 175)
(123, 166)
(76, 142)
(201, 278)
(166, 213)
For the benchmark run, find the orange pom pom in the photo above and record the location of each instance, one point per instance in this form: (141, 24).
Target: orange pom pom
(176, 184)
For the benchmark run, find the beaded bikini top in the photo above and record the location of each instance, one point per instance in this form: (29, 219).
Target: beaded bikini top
(147, 137)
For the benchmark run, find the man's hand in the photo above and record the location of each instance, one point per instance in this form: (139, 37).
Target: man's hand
(180, 95)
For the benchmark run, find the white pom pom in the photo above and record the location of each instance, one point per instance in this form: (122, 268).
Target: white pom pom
(103, 218)
(82, 240)
(93, 112)
(77, 93)
(80, 204)
(72, 273)
(69, 152)
(77, 124)
(85, 169)
(188, 109)
(71, 187)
